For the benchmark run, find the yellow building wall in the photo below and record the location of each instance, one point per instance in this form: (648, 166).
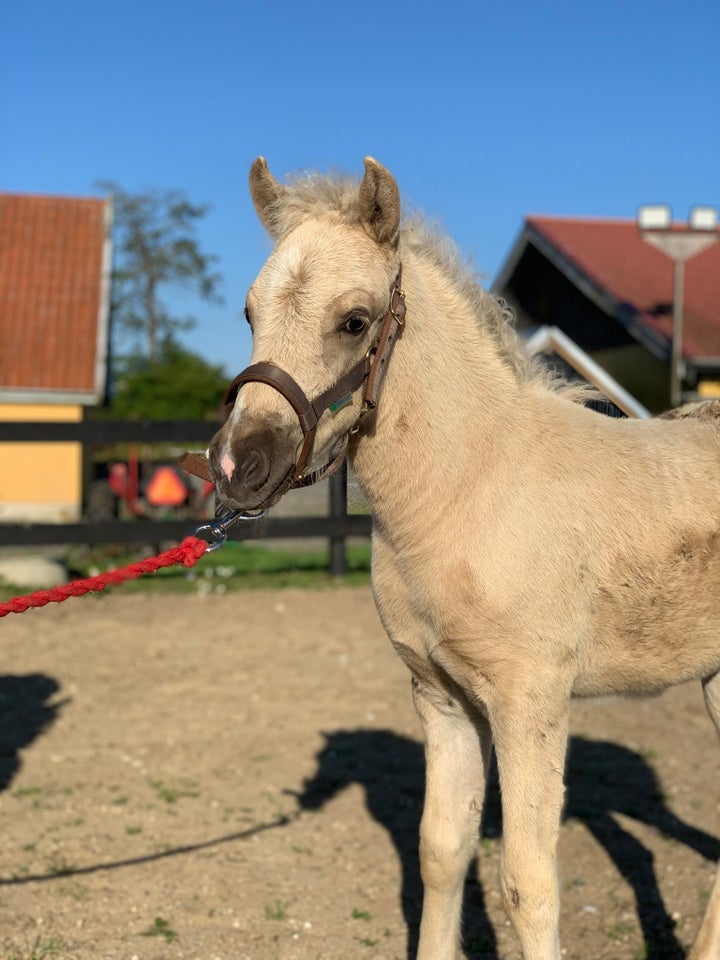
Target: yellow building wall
(709, 389)
(41, 482)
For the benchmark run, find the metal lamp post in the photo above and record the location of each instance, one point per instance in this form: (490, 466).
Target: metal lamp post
(655, 224)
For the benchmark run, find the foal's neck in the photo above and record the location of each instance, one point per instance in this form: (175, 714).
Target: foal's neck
(446, 402)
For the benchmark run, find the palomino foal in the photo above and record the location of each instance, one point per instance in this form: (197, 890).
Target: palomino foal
(525, 549)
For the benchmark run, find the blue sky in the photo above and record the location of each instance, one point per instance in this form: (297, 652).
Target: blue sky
(485, 112)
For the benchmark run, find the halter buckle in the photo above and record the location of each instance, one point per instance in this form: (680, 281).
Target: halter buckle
(399, 318)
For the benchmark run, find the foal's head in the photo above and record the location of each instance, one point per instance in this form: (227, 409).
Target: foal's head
(314, 310)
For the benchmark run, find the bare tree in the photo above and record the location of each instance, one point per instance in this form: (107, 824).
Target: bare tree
(156, 250)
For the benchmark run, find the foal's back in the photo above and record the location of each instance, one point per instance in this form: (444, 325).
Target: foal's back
(654, 570)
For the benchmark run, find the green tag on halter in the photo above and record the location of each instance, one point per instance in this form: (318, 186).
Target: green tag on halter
(337, 405)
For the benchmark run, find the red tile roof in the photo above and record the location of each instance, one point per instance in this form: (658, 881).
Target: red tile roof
(612, 254)
(53, 296)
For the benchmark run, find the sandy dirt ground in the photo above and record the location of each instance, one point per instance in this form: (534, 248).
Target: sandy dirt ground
(239, 777)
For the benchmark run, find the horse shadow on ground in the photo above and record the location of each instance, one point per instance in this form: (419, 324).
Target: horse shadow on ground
(603, 779)
(24, 714)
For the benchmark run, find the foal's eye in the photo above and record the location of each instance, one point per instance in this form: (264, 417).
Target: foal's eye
(246, 312)
(355, 324)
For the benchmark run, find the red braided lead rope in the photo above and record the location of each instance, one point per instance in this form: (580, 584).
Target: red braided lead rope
(188, 554)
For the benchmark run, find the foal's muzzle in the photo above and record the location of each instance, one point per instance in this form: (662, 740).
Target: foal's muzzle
(251, 466)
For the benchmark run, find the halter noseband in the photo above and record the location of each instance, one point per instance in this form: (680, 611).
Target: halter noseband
(370, 371)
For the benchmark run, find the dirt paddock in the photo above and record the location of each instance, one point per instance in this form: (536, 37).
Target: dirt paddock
(240, 776)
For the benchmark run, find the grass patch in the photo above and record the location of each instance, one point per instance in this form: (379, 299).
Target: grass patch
(161, 928)
(40, 950)
(360, 914)
(27, 791)
(173, 793)
(621, 929)
(59, 866)
(234, 567)
(276, 911)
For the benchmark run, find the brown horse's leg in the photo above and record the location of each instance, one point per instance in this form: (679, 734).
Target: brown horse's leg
(531, 743)
(457, 750)
(707, 942)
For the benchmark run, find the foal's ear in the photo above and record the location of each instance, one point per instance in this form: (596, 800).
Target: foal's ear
(265, 192)
(379, 202)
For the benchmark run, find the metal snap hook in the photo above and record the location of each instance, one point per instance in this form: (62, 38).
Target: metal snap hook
(216, 531)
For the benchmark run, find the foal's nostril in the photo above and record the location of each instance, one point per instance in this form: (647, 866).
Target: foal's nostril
(253, 469)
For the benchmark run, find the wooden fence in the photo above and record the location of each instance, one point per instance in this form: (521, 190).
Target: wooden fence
(336, 526)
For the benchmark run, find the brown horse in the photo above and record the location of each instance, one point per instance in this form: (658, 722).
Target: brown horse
(525, 548)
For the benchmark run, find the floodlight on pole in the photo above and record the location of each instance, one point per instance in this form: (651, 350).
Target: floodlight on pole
(655, 224)
(654, 216)
(703, 218)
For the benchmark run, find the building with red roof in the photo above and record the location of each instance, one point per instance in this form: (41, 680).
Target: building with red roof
(612, 293)
(54, 298)
(55, 269)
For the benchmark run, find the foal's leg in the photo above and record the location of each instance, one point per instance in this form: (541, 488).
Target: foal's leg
(707, 942)
(458, 749)
(531, 742)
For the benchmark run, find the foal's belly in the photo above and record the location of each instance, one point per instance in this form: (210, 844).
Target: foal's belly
(646, 638)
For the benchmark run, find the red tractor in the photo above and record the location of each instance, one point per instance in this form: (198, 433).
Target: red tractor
(146, 488)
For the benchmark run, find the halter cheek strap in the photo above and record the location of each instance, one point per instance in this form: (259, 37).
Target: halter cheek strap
(370, 371)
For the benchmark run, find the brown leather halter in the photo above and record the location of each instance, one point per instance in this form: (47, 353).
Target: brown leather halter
(369, 371)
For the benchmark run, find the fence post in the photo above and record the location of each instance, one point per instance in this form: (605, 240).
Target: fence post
(338, 511)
